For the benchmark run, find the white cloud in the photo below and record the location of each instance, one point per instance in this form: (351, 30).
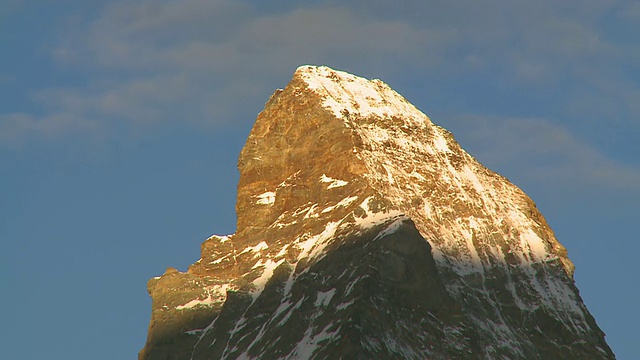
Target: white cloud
(536, 150)
(201, 61)
(630, 11)
(608, 98)
(149, 63)
(225, 38)
(18, 129)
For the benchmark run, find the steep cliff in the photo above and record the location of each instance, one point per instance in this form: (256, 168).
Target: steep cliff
(364, 231)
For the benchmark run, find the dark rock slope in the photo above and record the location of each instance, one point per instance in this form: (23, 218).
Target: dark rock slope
(365, 232)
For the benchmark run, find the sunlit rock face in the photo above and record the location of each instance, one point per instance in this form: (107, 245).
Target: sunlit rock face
(364, 231)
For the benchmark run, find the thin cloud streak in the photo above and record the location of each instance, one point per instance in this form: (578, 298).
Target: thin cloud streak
(203, 72)
(538, 150)
(17, 130)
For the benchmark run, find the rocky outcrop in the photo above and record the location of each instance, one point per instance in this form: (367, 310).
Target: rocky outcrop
(364, 231)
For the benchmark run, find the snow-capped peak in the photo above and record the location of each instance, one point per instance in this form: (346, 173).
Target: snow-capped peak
(347, 95)
(376, 211)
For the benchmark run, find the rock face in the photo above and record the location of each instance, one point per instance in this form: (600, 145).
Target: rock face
(365, 232)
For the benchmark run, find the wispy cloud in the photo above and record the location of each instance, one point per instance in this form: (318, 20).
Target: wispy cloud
(200, 61)
(149, 63)
(536, 150)
(19, 129)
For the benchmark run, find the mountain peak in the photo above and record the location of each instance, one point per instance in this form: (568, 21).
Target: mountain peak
(364, 230)
(348, 95)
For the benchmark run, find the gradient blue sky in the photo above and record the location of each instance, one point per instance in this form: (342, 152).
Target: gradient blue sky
(121, 122)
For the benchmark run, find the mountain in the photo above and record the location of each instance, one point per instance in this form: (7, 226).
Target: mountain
(365, 231)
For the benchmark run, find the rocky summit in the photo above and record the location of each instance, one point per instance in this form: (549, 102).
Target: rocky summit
(365, 231)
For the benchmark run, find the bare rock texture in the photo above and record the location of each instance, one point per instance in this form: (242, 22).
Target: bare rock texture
(365, 232)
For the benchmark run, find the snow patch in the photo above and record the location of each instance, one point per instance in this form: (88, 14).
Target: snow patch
(316, 244)
(267, 198)
(268, 267)
(440, 143)
(532, 241)
(311, 213)
(215, 294)
(389, 171)
(293, 309)
(220, 259)
(333, 183)
(257, 248)
(372, 218)
(324, 298)
(310, 342)
(344, 305)
(343, 203)
(473, 179)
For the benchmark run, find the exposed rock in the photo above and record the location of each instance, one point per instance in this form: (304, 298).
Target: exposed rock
(364, 231)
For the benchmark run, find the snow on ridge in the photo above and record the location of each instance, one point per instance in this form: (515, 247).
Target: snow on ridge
(220, 238)
(345, 94)
(391, 228)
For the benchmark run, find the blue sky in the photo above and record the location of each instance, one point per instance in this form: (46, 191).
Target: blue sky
(121, 122)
